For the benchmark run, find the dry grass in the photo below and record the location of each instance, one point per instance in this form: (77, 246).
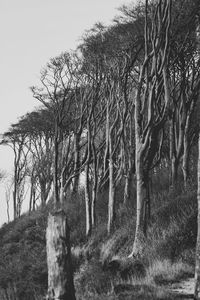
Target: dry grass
(166, 272)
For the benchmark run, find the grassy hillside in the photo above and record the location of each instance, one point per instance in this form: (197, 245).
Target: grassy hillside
(101, 264)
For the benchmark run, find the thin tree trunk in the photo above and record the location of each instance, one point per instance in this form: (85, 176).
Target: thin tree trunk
(76, 161)
(131, 163)
(93, 208)
(34, 199)
(174, 172)
(31, 199)
(95, 182)
(55, 171)
(43, 194)
(173, 156)
(14, 202)
(197, 267)
(88, 203)
(94, 193)
(127, 186)
(185, 164)
(106, 153)
(60, 274)
(111, 200)
(142, 206)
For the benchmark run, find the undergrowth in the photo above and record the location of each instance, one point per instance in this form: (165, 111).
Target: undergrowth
(101, 264)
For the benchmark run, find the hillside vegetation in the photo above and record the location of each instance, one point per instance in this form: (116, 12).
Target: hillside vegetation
(101, 264)
(120, 115)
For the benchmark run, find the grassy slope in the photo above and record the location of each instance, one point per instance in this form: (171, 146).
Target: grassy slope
(168, 252)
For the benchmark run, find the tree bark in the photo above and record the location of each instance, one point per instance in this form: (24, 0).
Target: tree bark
(174, 172)
(94, 191)
(185, 164)
(142, 206)
(60, 273)
(76, 161)
(43, 193)
(127, 186)
(15, 202)
(197, 267)
(55, 169)
(88, 208)
(111, 200)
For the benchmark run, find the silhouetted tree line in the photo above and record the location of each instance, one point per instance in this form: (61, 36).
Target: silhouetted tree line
(121, 107)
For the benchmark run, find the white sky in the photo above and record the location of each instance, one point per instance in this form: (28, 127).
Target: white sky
(31, 32)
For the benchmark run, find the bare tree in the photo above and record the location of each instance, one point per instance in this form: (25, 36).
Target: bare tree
(197, 261)
(151, 107)
(7, 195)
(17, 141)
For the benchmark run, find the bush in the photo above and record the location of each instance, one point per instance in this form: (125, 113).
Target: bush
(23, 253)
(91, 279)
(165, 272)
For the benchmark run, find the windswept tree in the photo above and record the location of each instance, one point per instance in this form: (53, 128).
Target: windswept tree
(112, 53)
(184, 87)
(197, 260)
(151, 107)
(17, 140)
(39, 129)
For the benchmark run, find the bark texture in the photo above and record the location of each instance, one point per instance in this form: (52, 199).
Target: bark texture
(197, 267)
(141, 216)
(60, 274)
(111, 200)
(88, 208)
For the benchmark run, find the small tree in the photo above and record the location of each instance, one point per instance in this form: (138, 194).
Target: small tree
(17, 141)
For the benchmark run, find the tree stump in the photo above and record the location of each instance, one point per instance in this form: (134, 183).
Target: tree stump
(60, 273)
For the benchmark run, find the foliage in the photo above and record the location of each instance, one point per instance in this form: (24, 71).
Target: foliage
(123, 110)
(170, 246)
(23, 252)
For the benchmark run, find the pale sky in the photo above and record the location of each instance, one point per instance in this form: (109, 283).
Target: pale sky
(31, 32)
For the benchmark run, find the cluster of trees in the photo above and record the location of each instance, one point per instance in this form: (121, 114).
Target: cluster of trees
(121, 106)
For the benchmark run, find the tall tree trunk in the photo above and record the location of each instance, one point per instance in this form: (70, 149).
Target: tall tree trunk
(127, 186)
(55, 169)
(197, 267)
(94, 189)
(60, 274)
(15, 201)
(34, 200)
(174, 172)
(142, 205)
(173, 155)
(43, 193)
(93, 207)
(106, 153)
(131, 162)
(76, 162)
(88, 209)
(31, 199)
(185, 164)
(111, 199)
(186, 150)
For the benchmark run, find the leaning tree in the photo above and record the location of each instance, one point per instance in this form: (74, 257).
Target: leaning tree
(151, 107)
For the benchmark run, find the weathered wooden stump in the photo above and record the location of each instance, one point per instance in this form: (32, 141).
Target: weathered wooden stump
(60, 273)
